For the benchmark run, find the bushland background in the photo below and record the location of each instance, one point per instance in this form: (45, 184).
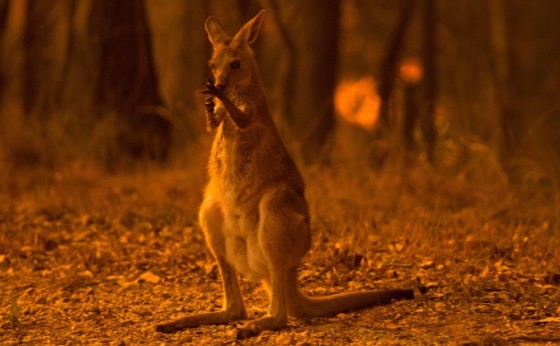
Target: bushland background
(427, 131)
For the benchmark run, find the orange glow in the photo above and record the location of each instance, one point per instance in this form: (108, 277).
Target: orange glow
(357, 101)
(411, 71)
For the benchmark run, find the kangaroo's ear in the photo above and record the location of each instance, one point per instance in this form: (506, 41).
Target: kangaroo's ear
(249, 32)
(215, 31)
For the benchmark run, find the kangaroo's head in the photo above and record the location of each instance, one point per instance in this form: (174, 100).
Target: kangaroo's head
(233, 63)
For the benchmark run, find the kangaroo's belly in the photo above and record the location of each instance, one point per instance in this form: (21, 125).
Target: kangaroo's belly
(246, 257)
(242, 247)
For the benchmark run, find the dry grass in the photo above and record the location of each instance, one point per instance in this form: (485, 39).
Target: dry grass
(89, 257)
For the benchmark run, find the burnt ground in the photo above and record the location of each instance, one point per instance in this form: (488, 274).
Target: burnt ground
(101, 260)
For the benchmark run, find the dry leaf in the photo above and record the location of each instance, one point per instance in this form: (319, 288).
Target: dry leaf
(426, 264)
(549, 320)
(208, 268)
(150, 277)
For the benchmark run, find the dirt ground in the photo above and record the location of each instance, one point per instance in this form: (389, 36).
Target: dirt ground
(94, 259)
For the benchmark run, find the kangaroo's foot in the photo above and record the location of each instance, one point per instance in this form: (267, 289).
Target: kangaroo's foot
(192, 321)
(255, 327)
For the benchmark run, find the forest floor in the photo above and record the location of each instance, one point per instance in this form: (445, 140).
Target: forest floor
(90, 258)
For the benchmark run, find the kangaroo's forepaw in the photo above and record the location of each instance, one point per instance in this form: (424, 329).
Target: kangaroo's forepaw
(212, 120)
(210, 105)
(212, 89)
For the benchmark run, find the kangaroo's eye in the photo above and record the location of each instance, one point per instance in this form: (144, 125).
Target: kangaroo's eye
(212, 67)
(235, 64)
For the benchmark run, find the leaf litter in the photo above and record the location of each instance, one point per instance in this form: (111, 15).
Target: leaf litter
(99, 275)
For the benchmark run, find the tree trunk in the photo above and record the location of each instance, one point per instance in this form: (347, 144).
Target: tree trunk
(314, 31)
(427, 124)
(391, 63)
(127, 82)
(44, 45)
(287, 83)
(504, 85)
(180, 52)
(4, 10)
(410, 114)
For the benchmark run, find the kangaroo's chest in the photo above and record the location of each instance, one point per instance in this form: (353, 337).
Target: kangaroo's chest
(235, 165)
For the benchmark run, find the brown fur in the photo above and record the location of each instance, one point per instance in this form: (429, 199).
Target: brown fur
(254, 214)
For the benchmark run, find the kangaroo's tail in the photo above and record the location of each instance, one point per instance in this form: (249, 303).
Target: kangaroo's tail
(301, 305)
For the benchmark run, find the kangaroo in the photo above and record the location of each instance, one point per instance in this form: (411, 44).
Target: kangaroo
(254, 214)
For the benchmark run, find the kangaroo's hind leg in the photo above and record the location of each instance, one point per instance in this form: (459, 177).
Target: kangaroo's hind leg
(284, 238)
(211, 221)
